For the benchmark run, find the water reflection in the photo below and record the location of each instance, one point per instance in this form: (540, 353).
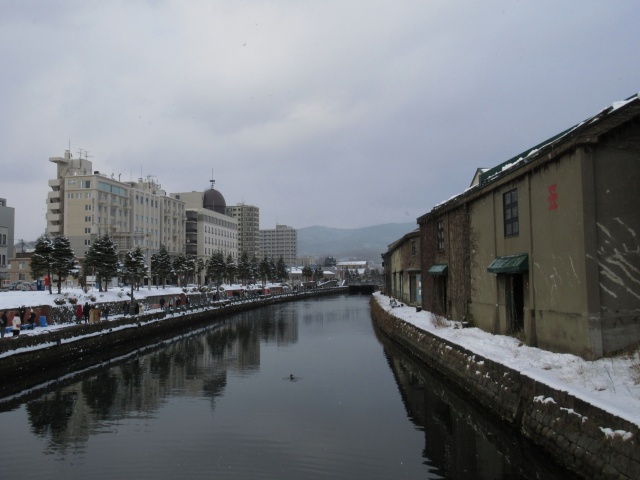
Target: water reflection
(461, 439)
(220, 401)
(195, 365)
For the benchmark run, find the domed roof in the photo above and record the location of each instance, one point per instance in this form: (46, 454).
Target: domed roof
(213, 200)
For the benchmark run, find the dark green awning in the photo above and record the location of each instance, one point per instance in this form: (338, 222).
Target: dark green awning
(438, 269)
(510, 264)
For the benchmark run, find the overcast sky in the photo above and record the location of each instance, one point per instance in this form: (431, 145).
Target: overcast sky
(335, 113)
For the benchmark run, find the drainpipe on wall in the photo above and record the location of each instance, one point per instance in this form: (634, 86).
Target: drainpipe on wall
(530, 311)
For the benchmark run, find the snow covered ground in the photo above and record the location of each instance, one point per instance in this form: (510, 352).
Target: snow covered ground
(12, 300)
(611, 384)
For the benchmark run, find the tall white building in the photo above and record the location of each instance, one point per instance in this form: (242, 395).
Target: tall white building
(7, 226)
(248, 217)
(84, 204)
(208, 228)
(279, 242)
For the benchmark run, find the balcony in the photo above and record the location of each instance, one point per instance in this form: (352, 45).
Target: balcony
(55, 183)
(53, 229)
(53, 217)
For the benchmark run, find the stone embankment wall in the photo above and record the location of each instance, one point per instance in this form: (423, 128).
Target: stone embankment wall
(29, 360)
(584, 439)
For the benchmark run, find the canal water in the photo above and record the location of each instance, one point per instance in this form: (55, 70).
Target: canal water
(302, 390)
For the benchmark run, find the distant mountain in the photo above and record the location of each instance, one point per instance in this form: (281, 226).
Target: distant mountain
(366, 243)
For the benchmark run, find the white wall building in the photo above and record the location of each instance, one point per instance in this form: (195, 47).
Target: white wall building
(279, 242)
(248, 217)
(84, 204)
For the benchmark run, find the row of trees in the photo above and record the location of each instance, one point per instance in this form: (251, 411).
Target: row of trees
(54, 256)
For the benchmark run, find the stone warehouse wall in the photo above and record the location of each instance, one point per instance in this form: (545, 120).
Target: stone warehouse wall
(591, 442)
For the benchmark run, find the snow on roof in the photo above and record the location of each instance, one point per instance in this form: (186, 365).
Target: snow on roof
(520, 159)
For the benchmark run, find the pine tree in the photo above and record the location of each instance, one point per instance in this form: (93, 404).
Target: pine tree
(317, 274)
(134, 267)
(231, 269)
(216, 267)
(200, 267)
(191, 268)
(272, 270)
(180, 266)
(254, 269)
(244, 268)
(102, 260)
(161, 265)
(41, 260)
(63, 259)
(265, 270)
(281, 270)
(307, 273)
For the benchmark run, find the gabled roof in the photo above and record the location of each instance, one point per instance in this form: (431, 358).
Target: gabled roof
(586, 132)
(568, 134)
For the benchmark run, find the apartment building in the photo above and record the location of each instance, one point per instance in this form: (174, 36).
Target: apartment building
(84, 204)
(280, 242)
(248, 217)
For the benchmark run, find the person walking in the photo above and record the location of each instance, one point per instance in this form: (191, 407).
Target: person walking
(32, 319)
(125, 308)
(85, 312)
(162, 303)
(78, 313)
(105, 310)
(17, 324)
(22, 312)
(3, 323)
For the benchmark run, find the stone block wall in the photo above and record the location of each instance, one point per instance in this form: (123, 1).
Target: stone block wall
(585, 439)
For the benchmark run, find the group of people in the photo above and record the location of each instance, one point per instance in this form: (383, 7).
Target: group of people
(83, 312)
(133, 308)
(177, 302)
(17, 321)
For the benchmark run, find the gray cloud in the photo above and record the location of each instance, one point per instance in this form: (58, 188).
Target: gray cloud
(341, 114)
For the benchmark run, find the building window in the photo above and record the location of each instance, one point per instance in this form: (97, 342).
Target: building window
(413, 247)
(440, 235)
(511, 224)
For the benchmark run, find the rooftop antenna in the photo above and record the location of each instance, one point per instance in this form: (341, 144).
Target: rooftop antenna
(212, 181)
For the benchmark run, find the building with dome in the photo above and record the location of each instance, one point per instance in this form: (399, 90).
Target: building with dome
(208, 228)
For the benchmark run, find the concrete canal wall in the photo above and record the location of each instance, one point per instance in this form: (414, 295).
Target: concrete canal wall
(584, 439)
(29, 360)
